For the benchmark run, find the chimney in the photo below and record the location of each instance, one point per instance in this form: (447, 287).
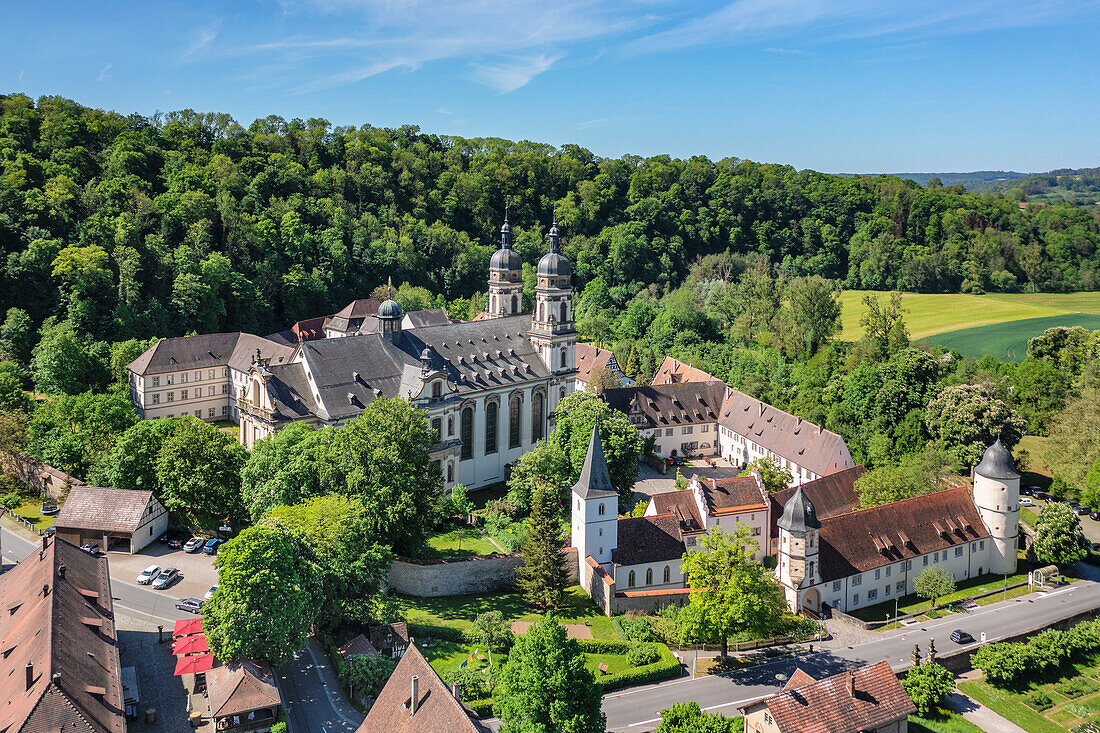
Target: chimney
(30, 675)
(852, 684)
(61, 570)
(456, 690)
(415, 695)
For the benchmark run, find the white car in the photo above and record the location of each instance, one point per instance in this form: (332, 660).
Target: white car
(1026, 501)
(210, 593)
(148, 574)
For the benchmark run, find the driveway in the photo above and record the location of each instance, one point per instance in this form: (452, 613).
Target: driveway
(1089, 525)
(651, 482)
(196, 569)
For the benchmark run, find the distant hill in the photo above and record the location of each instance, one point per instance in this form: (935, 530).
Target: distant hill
(1080, 186)
(973, 180)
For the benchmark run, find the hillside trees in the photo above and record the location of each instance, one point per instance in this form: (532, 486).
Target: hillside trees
(1059, 538)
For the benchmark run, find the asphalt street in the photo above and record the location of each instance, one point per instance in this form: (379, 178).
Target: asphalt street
(636, 710)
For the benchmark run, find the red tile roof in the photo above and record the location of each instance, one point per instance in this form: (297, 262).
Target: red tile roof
(63, 627)
(831, 495)
(239, 688)
(590, 359)
(848, 541)
(829, 706)
(680, 504)
(360, 645)
(673, 371)
(389, 636)
(437, 711)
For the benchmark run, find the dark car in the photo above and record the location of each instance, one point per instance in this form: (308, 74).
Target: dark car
(1095, 515)
(1082, 511)
(91, 548)
(1042, 495)
(1027, 491)
(211, 546)
(961, 637)
(175, 543)
(194, 605)
(194, 544)
(49, 532)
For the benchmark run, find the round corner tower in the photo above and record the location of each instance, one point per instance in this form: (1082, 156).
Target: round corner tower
(997, 497)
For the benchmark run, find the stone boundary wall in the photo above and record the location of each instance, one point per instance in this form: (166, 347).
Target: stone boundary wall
(460, 576)
(649, 601)
(37, 475)
(873, 625)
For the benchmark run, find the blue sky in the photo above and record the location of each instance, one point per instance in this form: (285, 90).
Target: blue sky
(894, 85)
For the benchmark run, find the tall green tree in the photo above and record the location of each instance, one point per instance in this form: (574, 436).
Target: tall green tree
(622, 444)
(732, 591)
(490, 629)
(967, 418)
(884, 330)
(813, 308)
(268, 584)
(72, 432)
(284, 468)
(543, 577)
(62, 364)
(1059, 538)
(687, 717)
(381, 458)
(17, 335)
(199, 472)
(132, 461)
(927, 685)
(772, 475)
(547, 464)
(545, 687)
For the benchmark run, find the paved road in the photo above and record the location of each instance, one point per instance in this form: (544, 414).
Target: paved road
(309, 690)
(636, 710)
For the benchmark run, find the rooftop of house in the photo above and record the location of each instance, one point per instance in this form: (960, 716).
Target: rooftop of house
(358, 646)
(239, 688)
(590, 359)
(831, 495)
(433, 710)
(733, 495)
(388, 636)
(103, 510)
(871, 538)
(647, 540)
(668, 405)
(680, 504)
(186, 352)
(60, 667)
(859, 700)
(674, 371)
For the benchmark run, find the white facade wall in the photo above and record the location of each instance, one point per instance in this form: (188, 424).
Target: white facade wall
(998, 503)
(203, 393)
(757, 522)
(739, 449)
(645, 572)
(595, 528)
(700, 439)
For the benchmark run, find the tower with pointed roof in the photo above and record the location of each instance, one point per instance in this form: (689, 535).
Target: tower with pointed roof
(594, 508)
(997, 497)
(505, 276)
(799, 544)
(552, 332)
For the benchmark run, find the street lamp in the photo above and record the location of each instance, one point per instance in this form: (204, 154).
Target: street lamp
(1006, 587)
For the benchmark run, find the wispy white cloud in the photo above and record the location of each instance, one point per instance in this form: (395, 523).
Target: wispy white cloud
(201, 40)
(510, 73)
(789, 51)
(22, 73)
(103, 75)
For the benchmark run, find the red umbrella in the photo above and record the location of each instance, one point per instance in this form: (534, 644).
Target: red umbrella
(190, 645)
(194, 665)
(188, 626)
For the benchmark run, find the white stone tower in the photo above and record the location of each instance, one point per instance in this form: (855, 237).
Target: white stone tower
(505, 277)
(552, 332)
(595, 508)
(799, 543)
(997, 497)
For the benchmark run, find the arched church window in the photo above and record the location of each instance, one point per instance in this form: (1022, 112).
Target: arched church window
(437, 390)
(564, 312)
(600, 510)
(542, 311)
(668, 574)
(513, 422)
(649, 576)
(537, 417)
(467, 428)
(450, 427)
(491, 410)
(630, 580)
(564, 357)
(515, 304)
(451, 473)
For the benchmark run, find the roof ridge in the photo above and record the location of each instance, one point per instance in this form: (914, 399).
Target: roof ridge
(899, 501)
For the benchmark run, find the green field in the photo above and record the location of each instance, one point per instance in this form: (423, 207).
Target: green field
(1008, 341)
(941, 315)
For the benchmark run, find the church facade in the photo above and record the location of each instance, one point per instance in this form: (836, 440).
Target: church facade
(490, 387)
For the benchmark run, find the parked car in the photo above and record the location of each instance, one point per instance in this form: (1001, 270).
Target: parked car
(175, 542)
(165, 579)
(961, 637)
(148, 574)
(1094, 515)
(1027, 491)
(1082, 511)
(49, 532)
(194, 605)
(91, 548)
(211, 546)
(1026, 501)
(210, 593)
(1042, 495)
(194, 544)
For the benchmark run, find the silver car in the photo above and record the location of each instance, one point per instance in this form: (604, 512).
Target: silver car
(210, 593)
(148, 574)
(165, 579)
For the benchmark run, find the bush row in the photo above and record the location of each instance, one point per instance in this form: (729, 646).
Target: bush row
(665, 668)
(1007, 663)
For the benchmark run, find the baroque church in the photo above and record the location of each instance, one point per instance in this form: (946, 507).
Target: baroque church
(490, 386)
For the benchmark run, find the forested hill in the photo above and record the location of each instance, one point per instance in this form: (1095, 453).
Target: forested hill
(130, 226)
(1075, 186)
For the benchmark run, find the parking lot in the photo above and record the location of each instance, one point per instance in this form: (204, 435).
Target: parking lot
(1090, 526)
(197, 572)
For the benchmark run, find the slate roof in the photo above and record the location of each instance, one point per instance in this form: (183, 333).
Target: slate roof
(594, 482)
(780, 432)
(103, 510)
(69, 636)
(186, 352)
(828, 706)
(667, 405)
(364, 367)
(290, 390)
(431, 317)
(646, 540)
(674, 371)
(352, 315)
(240, 687)
(833, 494)
(437, 710)
(871, 538)
(799, 513)
(680, 504)
(997, 463)
(733, 495)
(247, 345)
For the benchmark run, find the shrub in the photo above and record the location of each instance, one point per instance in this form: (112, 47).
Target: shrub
(11, 500)
(1039, 700)
(639, 628)
(770, 562)
(927, 684)
(482, 708)
(604, 646)
(1047, 649)
(1076, 687)
(642, 654)
(1003, 663)
(664, 668)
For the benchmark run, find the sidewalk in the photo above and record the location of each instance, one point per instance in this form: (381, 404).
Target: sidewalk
(980, 715)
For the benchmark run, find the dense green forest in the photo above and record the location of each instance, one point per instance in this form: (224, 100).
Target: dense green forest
(137, 227)
(1080, 187)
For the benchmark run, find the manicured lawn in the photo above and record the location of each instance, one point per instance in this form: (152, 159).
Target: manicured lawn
(1066, 711)
(458, 612)
(913, 603)
(946, 722)
(29, 511)
(1029, 517)
(460, 542)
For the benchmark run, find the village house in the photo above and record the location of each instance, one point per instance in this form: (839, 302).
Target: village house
(60, 667)
(865, 700)
(592, 360)
(490, 387)
(121, 520)
(243, 697)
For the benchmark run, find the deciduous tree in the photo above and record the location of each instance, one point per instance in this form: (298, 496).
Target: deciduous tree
(687, 717)
(199, 472)
(1059, 538)
(284, 468)
(933, 583)
(927, 685)
(967, 418)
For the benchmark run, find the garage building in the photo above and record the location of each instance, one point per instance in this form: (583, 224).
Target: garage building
(119, 520)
